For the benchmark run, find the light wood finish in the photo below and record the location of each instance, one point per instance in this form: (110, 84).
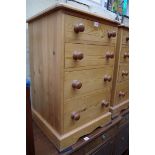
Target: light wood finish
(116, 110)
(124, 50)
(91, 34)
(124, 37)
(89, 107)
(120, 86)
(61, 88)
(124, 88)
(46, 65)
(71, 10)
(94, 55)
(65, 140)
(91, 79)
(123, 72)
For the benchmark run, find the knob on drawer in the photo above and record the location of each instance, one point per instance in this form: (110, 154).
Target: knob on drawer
(75, 116)
(126, 55)
(111, 34)
(76, 84)
(124, 73)
(77, 55)
(105, 103)
(107, 78)
(109, 55)
(121, 94)
(127, 38)
(79, 28)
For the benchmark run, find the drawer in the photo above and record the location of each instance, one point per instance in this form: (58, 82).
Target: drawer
(124, 54)
(122, 92)
(83, 55)
(79, 30)
(123, 73)
(125, 37)
(85, 81)
(83, 109)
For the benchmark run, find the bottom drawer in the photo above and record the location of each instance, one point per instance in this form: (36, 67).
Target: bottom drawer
(85, 108)
(122, 92)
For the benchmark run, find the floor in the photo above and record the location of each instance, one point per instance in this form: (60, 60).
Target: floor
(42, 145)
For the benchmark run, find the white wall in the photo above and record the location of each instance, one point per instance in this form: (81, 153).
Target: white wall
(35, 6)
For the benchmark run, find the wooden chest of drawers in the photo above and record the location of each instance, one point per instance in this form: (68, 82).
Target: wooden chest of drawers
(120, 88)
(72, 57)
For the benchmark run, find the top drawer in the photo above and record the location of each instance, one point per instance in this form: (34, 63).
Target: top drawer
(125, 37)
(79, 30)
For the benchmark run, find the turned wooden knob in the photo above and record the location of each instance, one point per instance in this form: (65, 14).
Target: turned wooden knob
(109, 55)
(121, 94)
(127, 38)
(75, 116)
(111, 34)
(76, 84)
(79, 28)
(107, 78)
(78, 55)
(126, 55)
(124, 73)
(105, 103)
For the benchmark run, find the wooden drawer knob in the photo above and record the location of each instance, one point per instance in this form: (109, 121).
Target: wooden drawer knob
(127, 38)
(79, 28)
(126, 55)
(105, 103)
(111, 34)
(121, 94)
(75, 116)
(124, 73)
(109, 55)
(76, 84)
(78, 55)
(107, 78)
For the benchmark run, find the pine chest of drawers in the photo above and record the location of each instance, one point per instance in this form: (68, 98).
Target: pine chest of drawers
(120, 88)
(72, 57)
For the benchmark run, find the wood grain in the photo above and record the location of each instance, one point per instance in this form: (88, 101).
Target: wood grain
(68, 9)
(124, 49)
(125, 35)
(52, 41)
(122, 87)
(65, 140)
(120, 83)
(123, 68)
(92, 79)
(46, 65)
(116, 109)
(93, 55)
(91, 34)
(92, 105)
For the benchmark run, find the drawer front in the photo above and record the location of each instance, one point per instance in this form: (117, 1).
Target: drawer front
(124, 54)
(83, 109)
(123, 73)
(85, 81)
(92, 55)
(79, 30)
(125, 37)
(122, 92)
